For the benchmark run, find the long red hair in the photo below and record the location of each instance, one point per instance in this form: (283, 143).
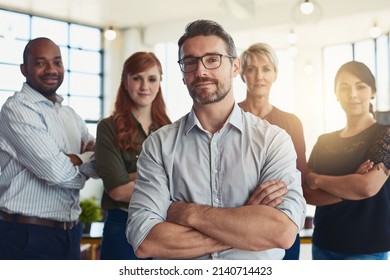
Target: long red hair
(124, 122)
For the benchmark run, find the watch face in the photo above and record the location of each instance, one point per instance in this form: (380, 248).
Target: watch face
(383, 117)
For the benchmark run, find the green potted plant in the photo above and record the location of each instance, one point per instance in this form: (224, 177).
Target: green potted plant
(90, 212)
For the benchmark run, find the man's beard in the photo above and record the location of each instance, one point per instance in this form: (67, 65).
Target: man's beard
(49, 91)
(44, 89)
(204, 97)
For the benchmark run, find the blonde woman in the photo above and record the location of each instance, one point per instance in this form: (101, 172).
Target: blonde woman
(259, 70)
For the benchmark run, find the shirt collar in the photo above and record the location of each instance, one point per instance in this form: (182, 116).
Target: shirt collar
(37, 97)
(235, 119)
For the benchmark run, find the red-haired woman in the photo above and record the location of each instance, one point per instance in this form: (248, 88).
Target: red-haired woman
(139, 110)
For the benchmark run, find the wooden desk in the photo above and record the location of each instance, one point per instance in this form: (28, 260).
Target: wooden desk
(94, 245)
(306, 235)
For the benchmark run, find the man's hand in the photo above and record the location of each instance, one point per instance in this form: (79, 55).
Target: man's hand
(133, 176)
(268, 193)
(88, 146)
(74, 159)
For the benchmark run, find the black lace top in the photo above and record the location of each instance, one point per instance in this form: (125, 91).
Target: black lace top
(353, 226)
(380, 151)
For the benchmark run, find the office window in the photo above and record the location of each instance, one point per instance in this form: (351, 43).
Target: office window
(13, 80)
(80, 32)
(54, 29)
(334, 57)
(175, 93)
(383, 73)
(14, 25)
(13, 28)
(4, 95)
(364, 51)
(82, 55)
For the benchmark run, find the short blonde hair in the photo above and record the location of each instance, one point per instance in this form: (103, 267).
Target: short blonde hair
(258, 49)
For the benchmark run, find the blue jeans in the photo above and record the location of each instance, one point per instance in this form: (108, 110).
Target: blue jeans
(322, 254)
(114, 242)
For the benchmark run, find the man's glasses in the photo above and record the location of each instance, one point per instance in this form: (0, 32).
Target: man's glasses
(209, 61)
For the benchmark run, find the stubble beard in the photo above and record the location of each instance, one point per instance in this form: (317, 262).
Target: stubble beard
(43, 89)
(204, 97)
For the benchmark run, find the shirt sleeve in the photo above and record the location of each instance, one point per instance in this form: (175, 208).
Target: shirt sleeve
(281, 164)
(88, 167)
(151, 198)
(28, 140)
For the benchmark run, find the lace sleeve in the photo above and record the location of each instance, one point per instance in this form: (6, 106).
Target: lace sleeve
(380, 149)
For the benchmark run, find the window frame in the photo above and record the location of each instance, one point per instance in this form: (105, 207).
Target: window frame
(19, 34)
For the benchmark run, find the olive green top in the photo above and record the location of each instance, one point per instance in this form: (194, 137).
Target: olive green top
(112, 163)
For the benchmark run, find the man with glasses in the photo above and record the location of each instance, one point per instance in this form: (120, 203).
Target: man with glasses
(218, 183)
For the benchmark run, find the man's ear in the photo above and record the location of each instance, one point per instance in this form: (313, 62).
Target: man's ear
(236, 66)
(23, 69)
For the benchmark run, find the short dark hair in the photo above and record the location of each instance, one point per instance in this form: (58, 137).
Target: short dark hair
(207, 28)
(32, 41)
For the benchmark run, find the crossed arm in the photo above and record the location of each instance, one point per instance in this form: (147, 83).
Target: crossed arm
(192, 230)
(123, 192)
(365, 182)
(42, 151)
(86, 147)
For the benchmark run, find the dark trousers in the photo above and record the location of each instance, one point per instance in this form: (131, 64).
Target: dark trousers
(34, 242)
(293, 252)
(114, 242)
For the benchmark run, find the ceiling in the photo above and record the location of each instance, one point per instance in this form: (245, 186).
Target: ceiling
(268, 19)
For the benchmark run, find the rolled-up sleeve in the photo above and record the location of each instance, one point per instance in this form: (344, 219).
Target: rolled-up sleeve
(281, 164)
(151, 198)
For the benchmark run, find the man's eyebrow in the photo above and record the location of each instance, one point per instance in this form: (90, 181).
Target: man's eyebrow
(44, 57)
(208, 53)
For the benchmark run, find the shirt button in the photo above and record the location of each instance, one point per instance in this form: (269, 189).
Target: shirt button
(216, 200)
(215, 171)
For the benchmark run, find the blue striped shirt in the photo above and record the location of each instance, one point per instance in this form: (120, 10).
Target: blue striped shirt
(36, 176)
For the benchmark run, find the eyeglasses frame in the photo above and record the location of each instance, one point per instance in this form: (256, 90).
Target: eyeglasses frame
(180, 61)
